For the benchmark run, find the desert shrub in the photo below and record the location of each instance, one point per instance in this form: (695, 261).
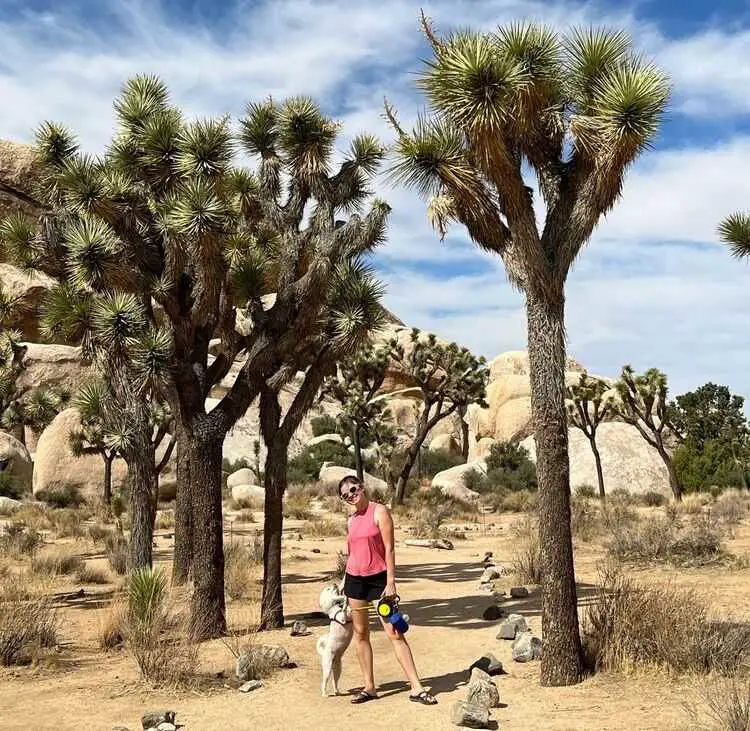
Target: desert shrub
(324, 424)
(238, 574)
(159, 642)
(98, 533)
(618, 514)
(325, 528)
(87, 574)
(526, 559)
(585, 519)
(621, 495)
(339, 567)
(436, 498)
(33, 515)
(638, 625)
(111, 621)
(245, 516)
(665, 539)
(305, 467)
(116, 548)
(506, 501)
(68, 496)
(118, 505)
(18, 540)
(247, 503)
(428, 521)
(164, 520)
(730, 508)
(652, 499)
(10, 486)
(57, 562)
(475, 480)
(438, 460)
(22, 586)
(67, 523)
(332, 504)
(509, 468)
(726, 707)
(586, 491)
(26, 628)
(297, 506)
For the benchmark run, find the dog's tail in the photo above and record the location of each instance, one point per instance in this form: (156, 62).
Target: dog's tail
(320, 645)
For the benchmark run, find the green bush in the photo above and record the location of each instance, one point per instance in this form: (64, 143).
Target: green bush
(9, 486)
(699, 468)
(305, 467)
(653, 499)
(61, 497)
(324, 424)
(509, 468)
(438, 461)
(586, 491)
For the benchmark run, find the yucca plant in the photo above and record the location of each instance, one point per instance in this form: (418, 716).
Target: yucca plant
(574, 111)
(147, 591)
(164, 245)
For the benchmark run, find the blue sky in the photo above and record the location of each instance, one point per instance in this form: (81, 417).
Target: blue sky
(652, 288)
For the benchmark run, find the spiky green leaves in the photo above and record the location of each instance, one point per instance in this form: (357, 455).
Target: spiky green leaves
(66, 315)
(734, 231)
(206, 149)
(118, 320)
(142, 96)
(198, 210)
(54, 144)
(589, 403)
(96, 254)
(259, 132)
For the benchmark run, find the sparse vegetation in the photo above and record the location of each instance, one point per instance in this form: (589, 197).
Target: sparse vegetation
(68, 496)
(26, 629)
(57, 562)
(726, 707)
(325, 528)
(634, 625)
(297, 507)
(87, 574)
(111, 626)
(526, 559)
(17, 540)
(116, 548)
(240, 562)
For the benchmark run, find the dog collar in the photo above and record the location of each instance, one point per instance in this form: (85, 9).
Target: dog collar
(338, 621)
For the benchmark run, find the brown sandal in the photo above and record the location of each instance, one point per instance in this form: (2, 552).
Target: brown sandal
(423, 697)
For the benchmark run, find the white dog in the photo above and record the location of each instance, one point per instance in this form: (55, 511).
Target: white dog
(331, 646)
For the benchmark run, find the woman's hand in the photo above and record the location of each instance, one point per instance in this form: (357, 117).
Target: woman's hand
(390, 590)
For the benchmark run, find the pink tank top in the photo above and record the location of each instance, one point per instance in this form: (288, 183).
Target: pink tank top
(366, 547)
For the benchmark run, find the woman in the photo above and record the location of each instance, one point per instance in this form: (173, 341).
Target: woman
(370, 575)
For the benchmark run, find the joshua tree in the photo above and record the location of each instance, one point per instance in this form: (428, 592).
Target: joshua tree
(356, 387)
(587, 408)
(574, 110)
(643, 404)
(449, 377)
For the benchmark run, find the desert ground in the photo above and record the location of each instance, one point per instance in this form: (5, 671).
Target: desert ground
(80, 686)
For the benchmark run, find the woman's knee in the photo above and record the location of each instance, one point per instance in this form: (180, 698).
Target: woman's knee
(362, 633)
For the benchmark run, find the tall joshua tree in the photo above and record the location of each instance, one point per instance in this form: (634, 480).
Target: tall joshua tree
(166, 215)
(587, 408)
(575, 111)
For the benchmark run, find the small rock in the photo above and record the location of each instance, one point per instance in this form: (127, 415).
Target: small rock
(486, 588)
(490, 574)
(260, 656)
(492, 613)
(299, 629)
(152, 719)
(519, 592)
(487, 557)
(489, 664)
(315, 550)
(470, 715)
(526, 647)
(250, 685)
(482, 690)
(514, 625)
(166, 727)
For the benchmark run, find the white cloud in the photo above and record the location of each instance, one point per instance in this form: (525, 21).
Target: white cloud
(681, 308)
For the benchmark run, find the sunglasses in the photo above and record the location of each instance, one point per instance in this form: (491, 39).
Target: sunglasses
(350, 493)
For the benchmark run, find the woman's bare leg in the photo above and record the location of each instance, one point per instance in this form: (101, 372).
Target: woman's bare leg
(404, 656)
(361, 622)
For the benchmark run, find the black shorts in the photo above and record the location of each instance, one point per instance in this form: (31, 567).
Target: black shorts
(366, 588)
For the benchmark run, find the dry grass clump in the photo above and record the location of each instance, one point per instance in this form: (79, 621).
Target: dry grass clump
(116, 548)
(240, 566)
(696, 541)
(585, 519)
(98, 533)
(247, 503)
(88, 574)
(726, 707)
(635, 625)
(164, 520)
(245, 516)
(159, 641)
(68, 523)
(22, 586)
(110, 631)
(731, 508)
(57, 562)
(512, 501)
(526, 561)
(18, 541)
(27, 628)
(339, 567)
(325, 528)
(297, 506)
(34, 516)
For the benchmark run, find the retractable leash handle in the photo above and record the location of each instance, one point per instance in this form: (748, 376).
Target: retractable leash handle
(388, 609)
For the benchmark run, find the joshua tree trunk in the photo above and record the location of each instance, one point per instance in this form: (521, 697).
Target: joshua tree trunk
(141, 479)
(412, 455)
(464, 438)
(358, 452)
(562, 658)
(674, 482)
(599, 473)
(272, 605)
(183, 514)
(108, 459)
(208, 617)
